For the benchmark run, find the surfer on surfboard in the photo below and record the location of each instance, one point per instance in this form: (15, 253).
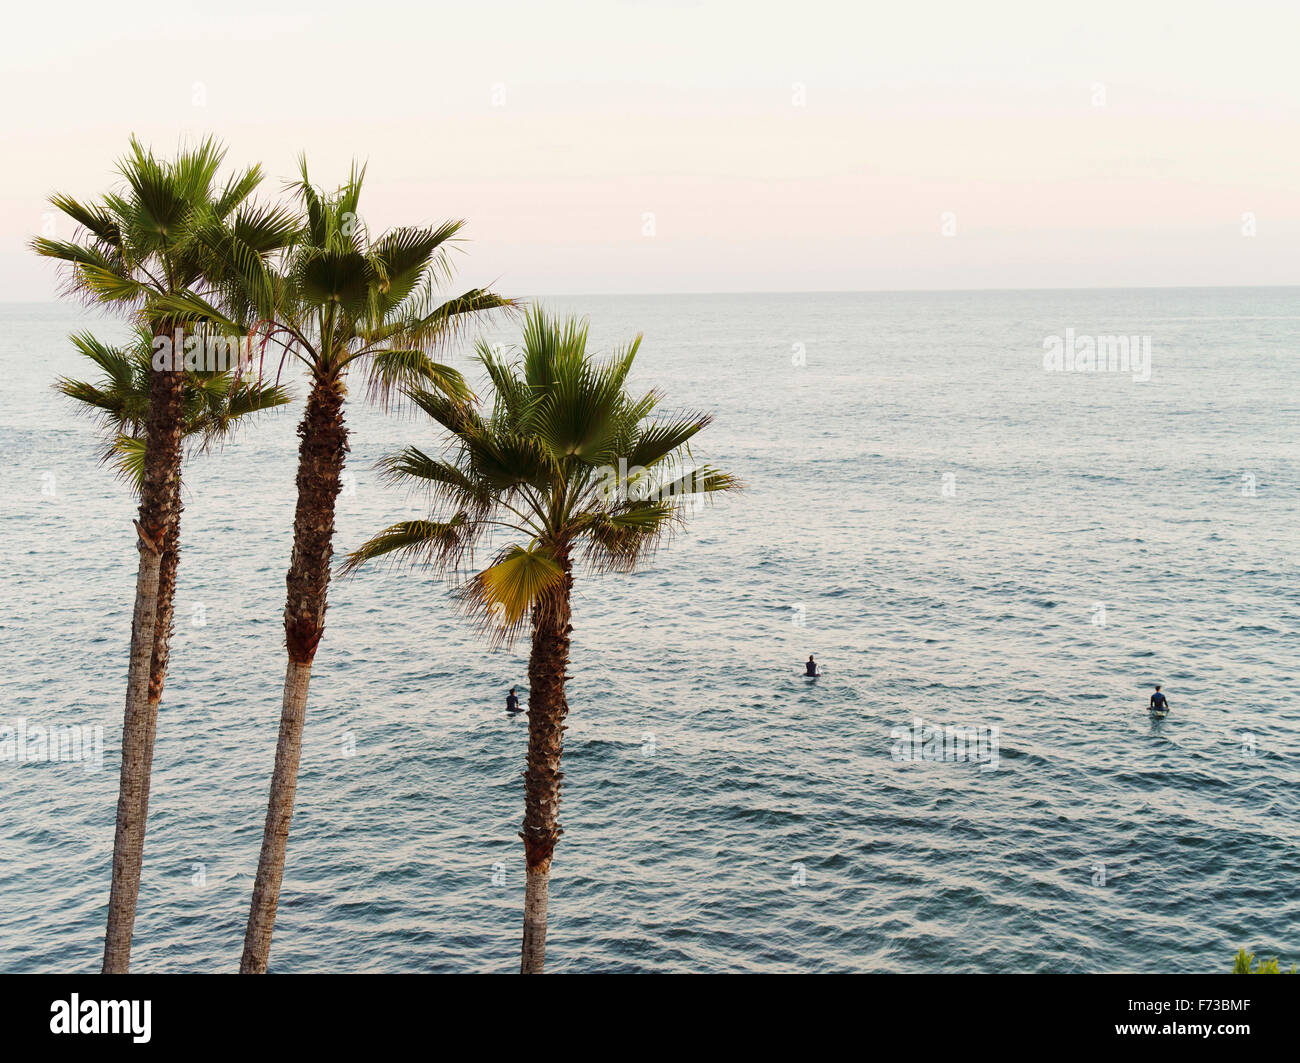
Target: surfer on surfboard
(512, 702)
(810, 666)
(1159, 703)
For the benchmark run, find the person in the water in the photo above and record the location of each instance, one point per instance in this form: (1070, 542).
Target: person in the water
(811, 666)
(1159, 703)
(512, 702)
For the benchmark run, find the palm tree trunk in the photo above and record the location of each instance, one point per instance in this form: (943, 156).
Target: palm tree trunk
(159, 495)
(163, 622)
(547, 708)
(162, 634)
(320, 468)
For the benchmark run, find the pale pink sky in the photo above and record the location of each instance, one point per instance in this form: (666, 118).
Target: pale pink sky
(778, 146)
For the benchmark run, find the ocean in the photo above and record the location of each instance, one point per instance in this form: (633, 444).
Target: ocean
(969, 542)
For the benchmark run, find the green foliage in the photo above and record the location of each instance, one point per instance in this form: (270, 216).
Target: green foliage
(141, 248)
(334, 296)
(1245, 963)
(152, 237)
(176, 249)
(561, 455)
(215, 401)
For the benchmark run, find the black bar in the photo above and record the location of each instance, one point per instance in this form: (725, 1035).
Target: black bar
(339, 1013)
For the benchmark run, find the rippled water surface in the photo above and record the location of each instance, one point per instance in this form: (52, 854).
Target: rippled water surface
(722, 813)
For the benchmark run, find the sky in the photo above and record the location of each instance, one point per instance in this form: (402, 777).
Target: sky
(705, 146)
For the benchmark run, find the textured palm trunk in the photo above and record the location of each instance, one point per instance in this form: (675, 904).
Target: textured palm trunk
(547, 709)
(166, 610)
(159, 514)
(162, 635)
(320, 469)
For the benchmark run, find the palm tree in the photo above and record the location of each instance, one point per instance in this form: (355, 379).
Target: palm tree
(134, 247)
(574, 464)
(215, 401)
(340, 300)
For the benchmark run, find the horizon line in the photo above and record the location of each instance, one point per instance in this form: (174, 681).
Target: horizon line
(56, 301)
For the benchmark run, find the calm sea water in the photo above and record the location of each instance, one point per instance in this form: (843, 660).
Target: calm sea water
(957, 534)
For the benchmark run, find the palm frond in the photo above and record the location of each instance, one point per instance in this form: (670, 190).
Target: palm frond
(126, 455)
(458, 418)
(436, 543)
(565, 458)
(404, 257)
(502, 596)
(94, 218)
(189, 308)
(73, 253)
(238, 188)
(623, 540)
(442, 479)
(431, 324)
(657, 441)
(393, 372)
(109, 286)
(704, 480)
